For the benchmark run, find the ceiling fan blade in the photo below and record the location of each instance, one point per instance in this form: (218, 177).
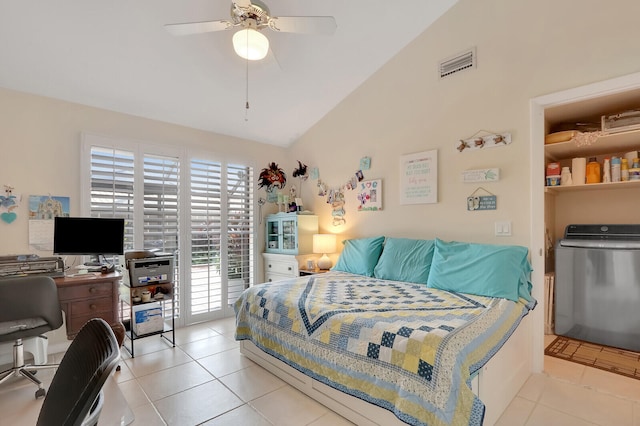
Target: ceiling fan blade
(197, 27)
(304, 24)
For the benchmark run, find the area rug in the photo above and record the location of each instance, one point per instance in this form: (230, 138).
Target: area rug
(606, 358)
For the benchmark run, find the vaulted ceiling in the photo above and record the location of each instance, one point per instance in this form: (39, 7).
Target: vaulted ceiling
(118, 56)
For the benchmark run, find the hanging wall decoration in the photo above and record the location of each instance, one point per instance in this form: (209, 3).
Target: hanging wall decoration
(302, 174)
(301, 171)
(365, 163)
(335, 196)
(315, 174)
(481, 202)
(337, 207)
(9, 202)
(272, 177)
(370, 195)
(483, 139)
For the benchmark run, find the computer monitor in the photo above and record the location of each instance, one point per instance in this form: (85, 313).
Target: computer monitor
(88, 236)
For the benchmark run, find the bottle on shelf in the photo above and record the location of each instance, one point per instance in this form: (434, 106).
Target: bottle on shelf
(593, 171)
(565, 176)
(606, 171)
(615, 169)
(624, 170)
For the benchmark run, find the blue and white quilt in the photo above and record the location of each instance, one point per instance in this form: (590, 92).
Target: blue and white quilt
(401, 346)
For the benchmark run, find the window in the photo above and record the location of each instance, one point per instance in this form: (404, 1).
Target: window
(202, 214)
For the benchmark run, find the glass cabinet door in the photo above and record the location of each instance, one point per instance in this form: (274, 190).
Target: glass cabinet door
(273, 229)
(289, 234)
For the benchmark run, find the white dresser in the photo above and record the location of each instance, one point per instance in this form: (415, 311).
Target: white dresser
(280, 266)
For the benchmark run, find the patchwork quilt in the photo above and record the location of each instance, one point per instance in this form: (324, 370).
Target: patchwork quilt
(404, 347)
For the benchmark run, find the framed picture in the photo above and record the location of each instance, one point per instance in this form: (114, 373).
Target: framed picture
(419, 178)
(370, 195)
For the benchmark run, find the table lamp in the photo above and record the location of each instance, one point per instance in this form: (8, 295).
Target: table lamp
(323, 244)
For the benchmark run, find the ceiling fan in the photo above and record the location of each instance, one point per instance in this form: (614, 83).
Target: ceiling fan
(252, 17)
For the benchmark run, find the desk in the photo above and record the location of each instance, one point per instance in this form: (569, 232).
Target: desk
(90, 296)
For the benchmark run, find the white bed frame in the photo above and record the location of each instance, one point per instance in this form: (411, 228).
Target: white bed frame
(496, 384)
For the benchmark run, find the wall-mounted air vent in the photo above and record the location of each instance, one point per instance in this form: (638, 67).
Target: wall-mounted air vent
(457, 63)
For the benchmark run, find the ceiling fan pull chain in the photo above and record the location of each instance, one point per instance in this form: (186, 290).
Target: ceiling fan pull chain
(246, 107)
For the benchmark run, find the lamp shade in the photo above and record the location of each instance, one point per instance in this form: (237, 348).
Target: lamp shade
(250, 44)
(323, 244)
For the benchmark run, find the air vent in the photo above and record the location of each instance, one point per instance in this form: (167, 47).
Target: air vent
(458, 63)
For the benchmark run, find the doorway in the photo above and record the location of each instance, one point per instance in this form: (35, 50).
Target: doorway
(538, 108)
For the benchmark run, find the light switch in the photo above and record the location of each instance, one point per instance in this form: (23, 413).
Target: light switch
(503, 229)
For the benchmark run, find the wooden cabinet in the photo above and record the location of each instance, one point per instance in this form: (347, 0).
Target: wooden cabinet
(290, 233)
(89, 296)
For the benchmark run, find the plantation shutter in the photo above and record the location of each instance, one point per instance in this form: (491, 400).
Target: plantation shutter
(112, 187)
(160, 223)
(205, 228)
(221, 234)
(239, 229)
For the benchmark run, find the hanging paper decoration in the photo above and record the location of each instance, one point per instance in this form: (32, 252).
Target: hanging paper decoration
(336, 198)
(337, 207)
(8, 203)
(272, 177)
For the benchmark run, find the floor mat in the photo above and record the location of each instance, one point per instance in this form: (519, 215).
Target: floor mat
(606, 358)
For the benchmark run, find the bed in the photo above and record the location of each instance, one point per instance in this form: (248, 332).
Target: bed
(389, 337)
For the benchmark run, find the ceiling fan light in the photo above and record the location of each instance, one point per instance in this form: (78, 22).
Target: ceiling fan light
(250, 44)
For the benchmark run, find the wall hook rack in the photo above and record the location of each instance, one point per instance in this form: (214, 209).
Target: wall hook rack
(484, 139)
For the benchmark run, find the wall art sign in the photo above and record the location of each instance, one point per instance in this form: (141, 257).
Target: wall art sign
(481, 202)
(419, 178)
(481, 175)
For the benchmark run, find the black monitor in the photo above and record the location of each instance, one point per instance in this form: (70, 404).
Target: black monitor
(88, 236)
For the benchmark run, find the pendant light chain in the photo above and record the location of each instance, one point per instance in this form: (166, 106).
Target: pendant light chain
(246, 110)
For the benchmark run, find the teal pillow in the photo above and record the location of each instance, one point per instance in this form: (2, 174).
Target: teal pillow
(404, 259)
(482, 269)
(359, 256)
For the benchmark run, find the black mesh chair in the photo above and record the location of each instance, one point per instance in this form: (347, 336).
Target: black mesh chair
(29, 307)
(75, 394)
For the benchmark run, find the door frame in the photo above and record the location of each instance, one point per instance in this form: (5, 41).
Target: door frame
(538, 106)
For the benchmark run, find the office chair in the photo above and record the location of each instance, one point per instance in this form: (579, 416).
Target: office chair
(29, 306)
(75, 394)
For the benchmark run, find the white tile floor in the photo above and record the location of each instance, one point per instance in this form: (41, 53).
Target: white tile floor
(205, 380)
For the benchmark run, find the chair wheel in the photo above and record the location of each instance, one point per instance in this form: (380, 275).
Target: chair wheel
(40, 393)
(118, 368)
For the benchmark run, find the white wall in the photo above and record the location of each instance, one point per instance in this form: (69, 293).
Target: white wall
(525, 49)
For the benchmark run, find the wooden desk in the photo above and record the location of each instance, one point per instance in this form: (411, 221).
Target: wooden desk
(90, 296)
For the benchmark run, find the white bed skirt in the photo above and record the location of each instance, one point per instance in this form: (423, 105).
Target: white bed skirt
(496, 384)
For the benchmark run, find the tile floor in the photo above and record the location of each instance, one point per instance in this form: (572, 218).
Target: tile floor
(205, 380)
